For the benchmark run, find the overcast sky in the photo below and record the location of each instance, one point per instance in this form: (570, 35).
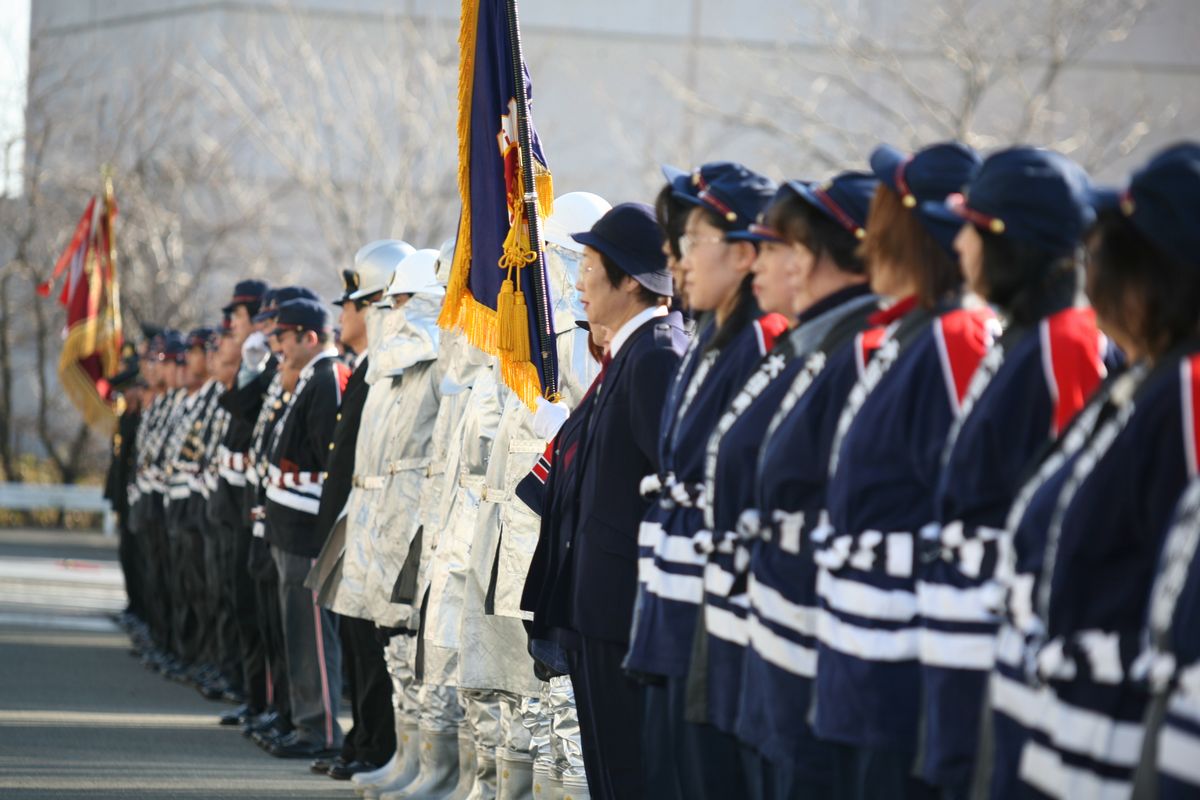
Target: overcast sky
(14, 60)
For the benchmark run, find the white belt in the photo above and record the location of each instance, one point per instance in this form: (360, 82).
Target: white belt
(371, 482)
(407, 464)
(527, 446)
(472, 482)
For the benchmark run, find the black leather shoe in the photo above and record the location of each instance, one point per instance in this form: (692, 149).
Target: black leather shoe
(292, 746)
(321, 766)
(238, 716)
(341, 770)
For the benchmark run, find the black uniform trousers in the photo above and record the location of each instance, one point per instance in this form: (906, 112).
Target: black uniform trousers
(227, 636)
(132, 566)
(251, 646)
(610, 705)
(187, 580)
(269, 621)
(373, 736)
(152, 530)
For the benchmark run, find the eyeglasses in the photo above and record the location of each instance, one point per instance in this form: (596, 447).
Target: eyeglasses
(688, 243)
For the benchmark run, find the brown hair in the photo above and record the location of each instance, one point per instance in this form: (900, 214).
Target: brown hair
(896, 235)
(1136, 285)
(800, 223)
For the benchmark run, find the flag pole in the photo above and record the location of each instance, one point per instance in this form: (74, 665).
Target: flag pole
(541, 292)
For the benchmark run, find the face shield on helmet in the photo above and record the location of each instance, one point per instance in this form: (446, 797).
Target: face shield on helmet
(573, 212)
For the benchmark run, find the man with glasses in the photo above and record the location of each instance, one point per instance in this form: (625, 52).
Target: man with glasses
(297, 454)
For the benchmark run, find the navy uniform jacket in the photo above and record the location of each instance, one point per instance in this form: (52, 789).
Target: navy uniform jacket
(731, 478)
(300, 446)
(883, 472)
(1031, 383)
(619, 448)
(122, 470)
(1016, 706)
(549, 491)
(1102, 549)
(1174, 653)
(339, 467)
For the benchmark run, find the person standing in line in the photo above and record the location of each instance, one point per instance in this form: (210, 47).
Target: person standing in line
(297, 453)
(626, 287)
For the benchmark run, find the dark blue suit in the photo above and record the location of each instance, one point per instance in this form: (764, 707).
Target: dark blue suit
(618, 448)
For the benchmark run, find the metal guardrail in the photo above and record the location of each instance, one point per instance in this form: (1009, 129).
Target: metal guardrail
(36, 496)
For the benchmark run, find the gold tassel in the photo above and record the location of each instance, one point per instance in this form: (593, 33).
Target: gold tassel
(504, 315)
(520, 328)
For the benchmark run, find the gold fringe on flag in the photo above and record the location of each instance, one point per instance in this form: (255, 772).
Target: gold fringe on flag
(503, 331)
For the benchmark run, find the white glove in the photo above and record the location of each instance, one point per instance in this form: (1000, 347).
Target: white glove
(255, 353)
(548, 418)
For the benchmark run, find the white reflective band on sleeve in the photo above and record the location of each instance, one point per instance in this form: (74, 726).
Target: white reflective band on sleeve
(645, 564)
(787, 655)
(680, 588)
(1088, 733)
(726, 625)
(899, 550)
(773, 606)
(868, 644)
(974, 651)
(233, 477)
(1020, 602)
(678, 550)
(862, 600)
(649, 533)
(1043, 769)
(298, 502)
(1179, 754)
(953, 604)
(789, 527)
(1024, 704)
(1178, 748)
(717, 581)
(1103, 651)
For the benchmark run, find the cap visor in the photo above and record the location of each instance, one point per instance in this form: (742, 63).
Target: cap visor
(1104, 198)
(884, 162)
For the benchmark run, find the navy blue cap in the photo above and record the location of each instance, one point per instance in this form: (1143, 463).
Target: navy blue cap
(302, 314)
(1163, 201)
(174, 347)
(247, 293)
(845, 199)
(924, 180)
(631, 238)
(203, 336)
(278, 297)
(729, 190)
(680, 180)
(1027, 193)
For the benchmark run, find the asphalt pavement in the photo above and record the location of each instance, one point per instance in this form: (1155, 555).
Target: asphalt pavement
(80, 717)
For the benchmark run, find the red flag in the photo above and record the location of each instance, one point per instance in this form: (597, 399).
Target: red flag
(92, 335)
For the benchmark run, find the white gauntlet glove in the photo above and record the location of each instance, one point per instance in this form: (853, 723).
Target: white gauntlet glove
(548, 418)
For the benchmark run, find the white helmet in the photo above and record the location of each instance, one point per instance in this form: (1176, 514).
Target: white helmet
(446, 260)
(415, 274)
(573, 212)
(375, 263)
